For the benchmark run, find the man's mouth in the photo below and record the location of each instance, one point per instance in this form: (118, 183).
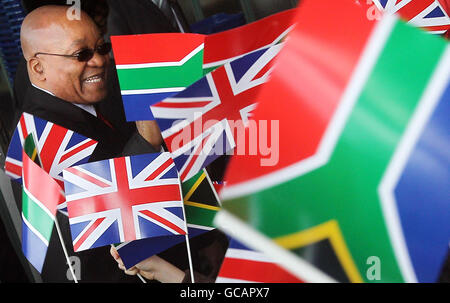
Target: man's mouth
(95, 78)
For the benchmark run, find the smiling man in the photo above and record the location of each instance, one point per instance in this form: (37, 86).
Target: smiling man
(65, 57)
(74, 84)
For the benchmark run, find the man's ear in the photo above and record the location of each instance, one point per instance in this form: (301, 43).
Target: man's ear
(36, 69)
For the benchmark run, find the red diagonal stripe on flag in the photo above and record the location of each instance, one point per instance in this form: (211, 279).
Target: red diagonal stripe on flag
(162, 168)
(89, 143)
(414, 8)
(164, 221)
(50, 149)
(87, 177)
(13, 168)
(23, 127)
(91, 229)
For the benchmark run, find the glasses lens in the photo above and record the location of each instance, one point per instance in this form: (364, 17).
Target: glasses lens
(85, 55)
(104, 49)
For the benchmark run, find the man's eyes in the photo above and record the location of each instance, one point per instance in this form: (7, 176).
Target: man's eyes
(79, 51)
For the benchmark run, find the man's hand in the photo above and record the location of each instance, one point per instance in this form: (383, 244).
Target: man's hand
(150, 131)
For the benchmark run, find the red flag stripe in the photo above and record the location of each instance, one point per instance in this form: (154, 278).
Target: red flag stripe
(50, 149)
(414, 8)
(247, 38)
(13, 168)
(164, 221)
(162, 168)
(249, 270)
(87, 177)
(152, 48)
(66, 156)
(91, 229)
(41, 185)
(23, 127)
(436, 28)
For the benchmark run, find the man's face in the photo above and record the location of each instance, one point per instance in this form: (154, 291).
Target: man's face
(68, 78)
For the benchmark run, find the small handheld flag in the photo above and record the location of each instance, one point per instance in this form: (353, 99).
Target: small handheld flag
(124, 199)
(38, 206)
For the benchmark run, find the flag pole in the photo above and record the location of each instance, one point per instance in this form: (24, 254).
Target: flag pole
(191, 269)
(65, 251)
(142, 279)
(188, 248)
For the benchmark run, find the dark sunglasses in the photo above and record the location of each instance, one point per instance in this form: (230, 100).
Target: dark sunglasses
(85, 54)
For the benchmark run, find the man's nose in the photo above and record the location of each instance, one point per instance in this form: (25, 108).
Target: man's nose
(98, 60)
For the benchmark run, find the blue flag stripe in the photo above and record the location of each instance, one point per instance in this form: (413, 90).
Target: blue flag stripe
(33, 247)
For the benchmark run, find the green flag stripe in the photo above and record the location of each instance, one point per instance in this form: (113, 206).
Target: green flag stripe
(199, 216)
(162, 77)
(353, 173)
(36, 216)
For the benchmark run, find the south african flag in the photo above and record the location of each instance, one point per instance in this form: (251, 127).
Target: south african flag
(41, 195)
(362, 168)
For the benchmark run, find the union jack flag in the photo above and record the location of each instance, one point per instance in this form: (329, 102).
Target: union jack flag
(124, 199)
(428, 14)
(202, 122)
(58, 148)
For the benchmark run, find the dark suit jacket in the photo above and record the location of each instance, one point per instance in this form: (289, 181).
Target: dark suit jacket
(136, 17)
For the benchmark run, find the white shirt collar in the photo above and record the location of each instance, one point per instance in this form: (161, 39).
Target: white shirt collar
(89, 108)
(44, 90)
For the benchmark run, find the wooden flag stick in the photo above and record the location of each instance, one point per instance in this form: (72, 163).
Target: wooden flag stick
(65, 251)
